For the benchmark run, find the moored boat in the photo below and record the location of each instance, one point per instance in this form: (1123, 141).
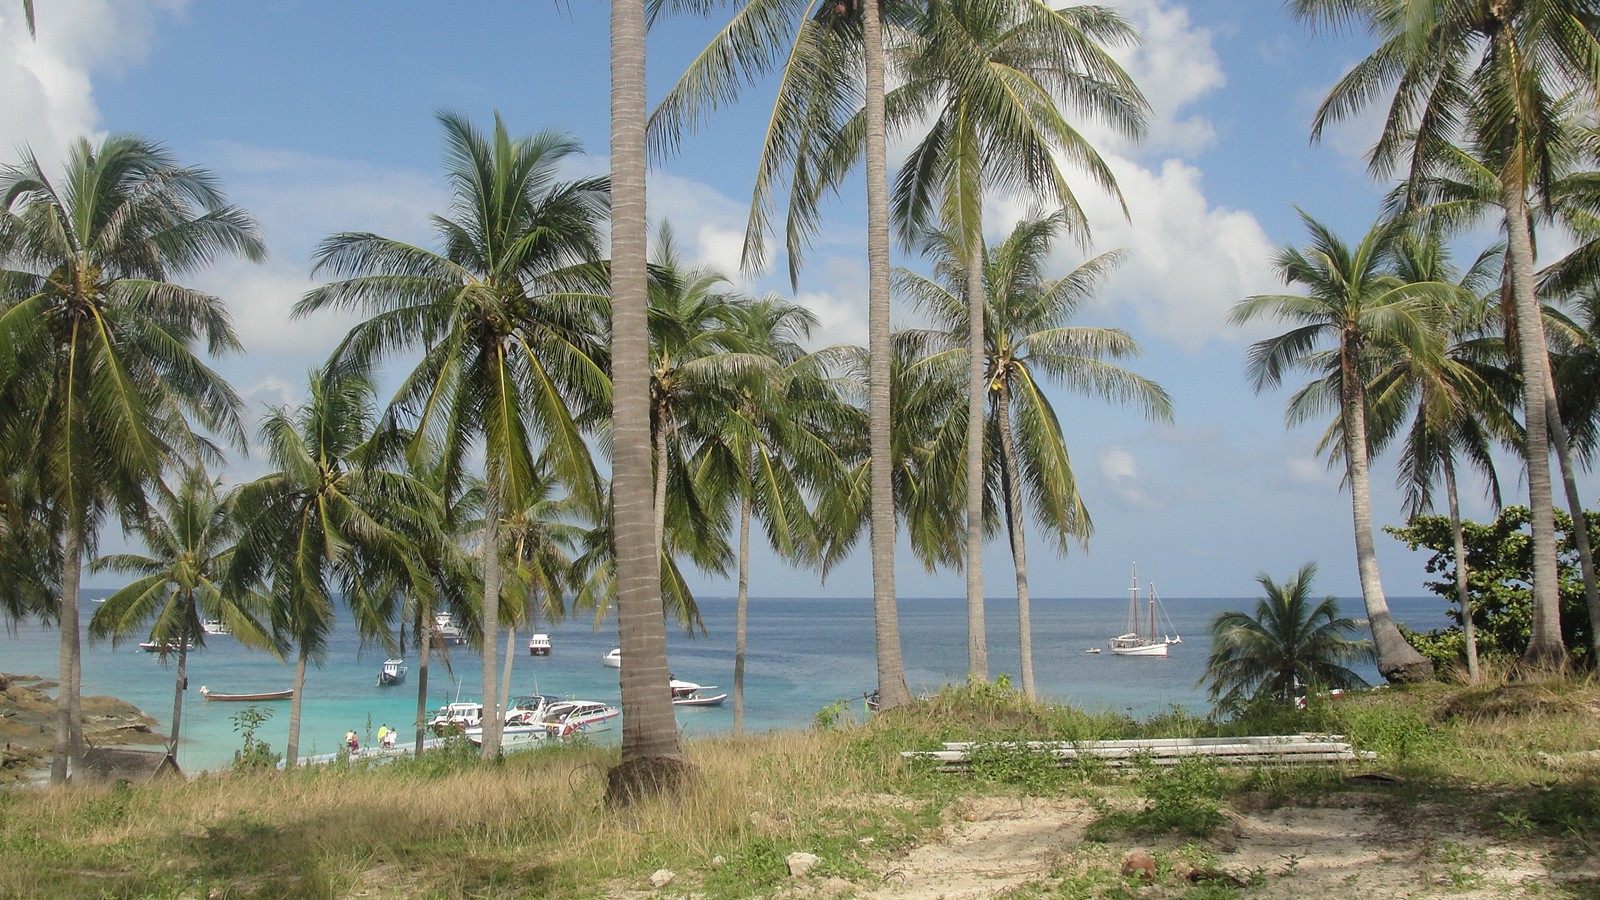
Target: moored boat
(687, 693)
(448, 628)
(539, 645)
(393, 672)
(1141, 637)
(459, 715)
(215, 626)
(569, 717)
(209, 694)
(164, 646)
(613, 659)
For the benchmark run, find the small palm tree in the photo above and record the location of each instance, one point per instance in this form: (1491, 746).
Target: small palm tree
(181, 583)
(1292, 644)
(325, 525)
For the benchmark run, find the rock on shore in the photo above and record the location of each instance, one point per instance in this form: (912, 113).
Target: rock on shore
(28, 723)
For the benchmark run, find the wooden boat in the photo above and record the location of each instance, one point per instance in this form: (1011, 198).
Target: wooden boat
(393, 672)
(209, 694)
(1141, 639)
(687, 693)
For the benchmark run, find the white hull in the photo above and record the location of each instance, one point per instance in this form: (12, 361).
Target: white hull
(1139, 649)
(612, 660)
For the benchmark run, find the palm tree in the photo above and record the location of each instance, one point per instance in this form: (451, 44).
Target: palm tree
(180, 584)
(1288, 646)
(652, 760)
(508, 322)
(833, 64)
(101, 341)
(1457, 395)
(323, 524)
(1028, 341)
(1353, 302)
(1499, 75)
(994, 75)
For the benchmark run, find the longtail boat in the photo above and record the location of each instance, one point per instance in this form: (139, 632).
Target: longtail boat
(209, 694)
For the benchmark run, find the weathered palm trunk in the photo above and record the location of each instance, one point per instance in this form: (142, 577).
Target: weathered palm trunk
(892, 689)
(491, 607)
(67, 752)
(505, 672)
(1580, 523)
(291, 753)
(1463, 588)
(181, 685)
(1545, 646)
(659, 491)
(977, 390)
(1397, 660)
(1019, 549)
(741, 615)
(651, 757)
(424, 652)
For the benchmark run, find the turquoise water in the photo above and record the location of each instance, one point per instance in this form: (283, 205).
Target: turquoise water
(803, 654)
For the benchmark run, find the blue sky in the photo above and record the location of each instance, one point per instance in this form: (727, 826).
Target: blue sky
(320, 117)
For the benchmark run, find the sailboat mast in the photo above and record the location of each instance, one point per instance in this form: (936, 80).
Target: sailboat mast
(1152, 610)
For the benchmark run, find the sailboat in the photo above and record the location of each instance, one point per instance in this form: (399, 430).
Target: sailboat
(1141, 638)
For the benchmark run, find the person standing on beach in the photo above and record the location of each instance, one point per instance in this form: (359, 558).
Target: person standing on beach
(383, 732)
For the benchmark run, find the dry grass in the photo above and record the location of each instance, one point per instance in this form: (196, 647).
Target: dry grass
(535, 825)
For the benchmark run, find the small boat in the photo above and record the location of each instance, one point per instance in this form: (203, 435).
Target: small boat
(613, 659)
(539, 645)
(687, 693)
(1092, 650)
(1141, 639)
(209, 694)
(215, 626)
(873, 700)
(570, 717)
(164, 646)
(393, 672)
(448, 628)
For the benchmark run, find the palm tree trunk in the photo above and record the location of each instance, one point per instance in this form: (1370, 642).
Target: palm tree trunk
(1463, 588)
(649, 728)
(291, 753)
(181, 685)
(1397, 660)
(1580, 523)
(505, 672)
(67, 752)
(491, 606)
(977, 391)
(425, 652)
(892, 689)
(741, 616)
(1545, 646)
(1019, 550)
(659, 492)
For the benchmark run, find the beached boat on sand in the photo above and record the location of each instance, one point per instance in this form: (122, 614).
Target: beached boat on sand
(1141, 639)
(209, 694)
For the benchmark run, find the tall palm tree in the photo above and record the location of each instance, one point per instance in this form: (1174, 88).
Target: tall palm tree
(323, 524)
(1293, 644)
(1456, 393)
(101, 340)
(1028, 341)
(832, 61)
(651, 757)
(180, 584)
(1498, 75)
(1353, 302)
(508, 322)
(995, 76)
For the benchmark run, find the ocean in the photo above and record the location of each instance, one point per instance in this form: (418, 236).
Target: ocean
(803, 654)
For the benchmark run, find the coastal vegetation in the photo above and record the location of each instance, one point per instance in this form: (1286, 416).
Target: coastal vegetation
(1484, 786)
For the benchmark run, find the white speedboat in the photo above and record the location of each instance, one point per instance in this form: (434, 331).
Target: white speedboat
(569, 717)
(539, 645)
(524, 719)
(215, 626)
(687, 693)
(447, 627)
(1141, 638)
(164, 647)
(613, 659)
(460, 715)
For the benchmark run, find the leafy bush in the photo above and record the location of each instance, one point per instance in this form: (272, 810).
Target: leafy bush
(256, 755)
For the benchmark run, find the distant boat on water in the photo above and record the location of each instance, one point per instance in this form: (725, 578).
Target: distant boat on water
(539, 645)
(393, 672)
(447, 628)
(215, 626)
(613, 659)
(1141, 638)
(209, 694)
(163, 646)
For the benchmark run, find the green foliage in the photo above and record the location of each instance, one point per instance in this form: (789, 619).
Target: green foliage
(832, 716)
(1180, 799)
(256, 755)
(1499, 582)
(1015, 763)
(1397, 734)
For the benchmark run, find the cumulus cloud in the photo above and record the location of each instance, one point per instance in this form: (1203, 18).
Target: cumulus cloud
(1174, 65)
(46, 87)
(1120, 471)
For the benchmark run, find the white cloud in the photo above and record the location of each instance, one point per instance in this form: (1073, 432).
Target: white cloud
(46, 85)
(1120, 470)
(1174, 65)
